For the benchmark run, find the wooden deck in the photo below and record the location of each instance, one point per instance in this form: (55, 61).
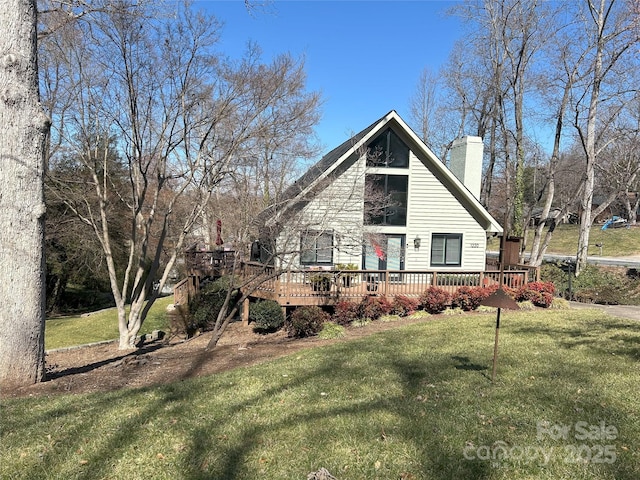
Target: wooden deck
(295, 288)
(328, 287)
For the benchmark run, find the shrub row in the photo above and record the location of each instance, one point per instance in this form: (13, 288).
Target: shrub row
(308, 320)
(436, 300)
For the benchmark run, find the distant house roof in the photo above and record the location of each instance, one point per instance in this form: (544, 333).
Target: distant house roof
(341, 157)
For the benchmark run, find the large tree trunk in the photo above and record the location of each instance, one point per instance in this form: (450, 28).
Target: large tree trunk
(23, 132)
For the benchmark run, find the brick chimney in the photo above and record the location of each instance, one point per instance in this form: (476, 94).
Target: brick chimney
(466, 162)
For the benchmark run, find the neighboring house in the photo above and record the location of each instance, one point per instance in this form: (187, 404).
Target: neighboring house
(554, 215)
(383, 201)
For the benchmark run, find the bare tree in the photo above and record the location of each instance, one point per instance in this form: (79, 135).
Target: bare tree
(139, 78)
(617, 173)
(282, 140)
(423, 106)
(556, 85)
(508, 39)
(514, 34)
(628, 168)
(611, 35)
(23, 131)
(182, 116)
(493, 80)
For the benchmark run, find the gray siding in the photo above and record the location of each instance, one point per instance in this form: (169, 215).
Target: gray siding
(433, 209)
(338, 207)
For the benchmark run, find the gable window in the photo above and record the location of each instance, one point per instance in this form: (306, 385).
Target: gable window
(386, 199)
(446, 249)
(316, 248)
(387, 150)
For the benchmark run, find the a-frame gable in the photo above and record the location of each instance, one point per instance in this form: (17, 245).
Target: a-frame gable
(343, 156)
(447, 178)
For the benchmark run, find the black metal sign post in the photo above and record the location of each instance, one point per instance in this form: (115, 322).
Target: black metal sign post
(500, 300)
(500, 283)
(495, 347)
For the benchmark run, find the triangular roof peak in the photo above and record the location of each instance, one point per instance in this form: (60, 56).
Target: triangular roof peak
(335, 158)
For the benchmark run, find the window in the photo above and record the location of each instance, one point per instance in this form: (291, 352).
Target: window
(382, 252)
(386, 199)
(387, 150)
(316, 248)
(446, 249)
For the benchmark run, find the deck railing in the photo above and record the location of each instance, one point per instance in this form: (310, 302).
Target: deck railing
(208, 262)
(327, 287)
(299, 287)
(185, 290)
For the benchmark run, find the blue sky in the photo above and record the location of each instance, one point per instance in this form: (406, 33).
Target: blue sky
(365, 57)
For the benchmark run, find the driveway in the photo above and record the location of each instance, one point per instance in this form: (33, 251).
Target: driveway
(624, 311)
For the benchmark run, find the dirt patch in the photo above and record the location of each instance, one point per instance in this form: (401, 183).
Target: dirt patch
(104, 368)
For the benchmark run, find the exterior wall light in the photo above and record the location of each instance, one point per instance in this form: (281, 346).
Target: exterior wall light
(416, 242)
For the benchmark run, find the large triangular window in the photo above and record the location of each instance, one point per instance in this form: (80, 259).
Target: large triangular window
(385, 200)
(388, 150)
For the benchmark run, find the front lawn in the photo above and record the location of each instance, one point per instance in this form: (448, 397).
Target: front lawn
(99, 326)
(616, 242)
(414, 402)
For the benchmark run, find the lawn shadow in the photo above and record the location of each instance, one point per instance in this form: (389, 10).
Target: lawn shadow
(92, 366)
(207, 453)
(435, 455)
(464, 363)
(611, 338)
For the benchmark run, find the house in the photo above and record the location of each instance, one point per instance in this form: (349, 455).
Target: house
(383, 201)
(378, 215)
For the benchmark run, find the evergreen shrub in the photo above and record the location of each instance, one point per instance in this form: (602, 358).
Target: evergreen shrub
(266, 316)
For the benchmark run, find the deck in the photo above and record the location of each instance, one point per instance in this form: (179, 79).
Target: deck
(294, 288)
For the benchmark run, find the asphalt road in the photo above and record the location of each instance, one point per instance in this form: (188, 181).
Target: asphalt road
(629, 262)
(624, 311)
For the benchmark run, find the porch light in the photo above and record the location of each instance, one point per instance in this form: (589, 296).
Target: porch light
(416, 243)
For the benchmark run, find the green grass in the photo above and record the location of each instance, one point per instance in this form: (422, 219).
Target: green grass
(407, 403)
(99, 326)
(616, 242)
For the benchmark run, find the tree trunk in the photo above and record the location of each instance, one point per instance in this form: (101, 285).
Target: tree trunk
(539, 246)
(631, 208)
(589, 143)
(518, 194)
(485, 194)
(23, 132)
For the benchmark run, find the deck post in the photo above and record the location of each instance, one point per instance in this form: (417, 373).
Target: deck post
(245, 312)
(278, 287)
